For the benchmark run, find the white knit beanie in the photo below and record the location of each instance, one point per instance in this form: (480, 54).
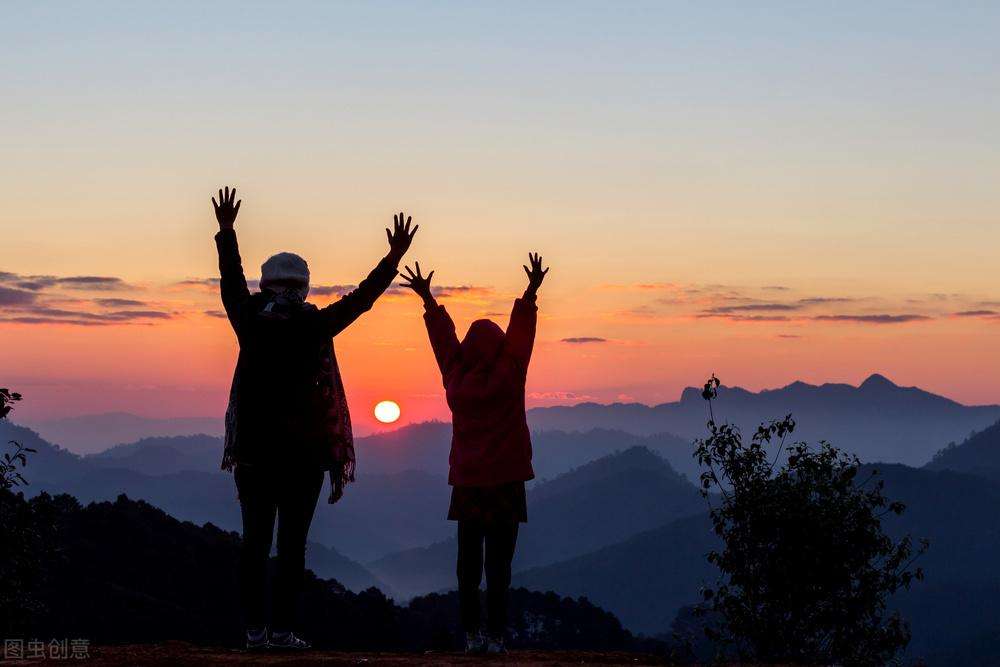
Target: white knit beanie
(285, 266)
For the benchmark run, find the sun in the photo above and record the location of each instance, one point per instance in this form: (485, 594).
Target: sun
(387, 412)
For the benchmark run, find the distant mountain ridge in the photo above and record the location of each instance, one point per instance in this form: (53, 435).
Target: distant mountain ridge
(878, 420)
(89, 434)
(979, 454)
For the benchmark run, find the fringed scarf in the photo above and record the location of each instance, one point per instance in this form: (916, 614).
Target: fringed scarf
(337, 433)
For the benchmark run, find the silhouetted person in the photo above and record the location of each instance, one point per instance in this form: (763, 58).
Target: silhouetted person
(484, 378)
(287, 420)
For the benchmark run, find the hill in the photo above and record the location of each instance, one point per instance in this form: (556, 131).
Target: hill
(599, 503)
(645, 579)
(878, 420)
(398, 502)
(125, 571)
(88, 434)
(979, 454)
(189, 495)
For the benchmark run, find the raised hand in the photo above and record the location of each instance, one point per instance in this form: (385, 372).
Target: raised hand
(225, 211)
(419, 283)
(535, 274)
(401, 236)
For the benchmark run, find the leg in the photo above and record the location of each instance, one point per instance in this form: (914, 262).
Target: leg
(500, 543)
(470, 573)
(257, 506)
(296, 504)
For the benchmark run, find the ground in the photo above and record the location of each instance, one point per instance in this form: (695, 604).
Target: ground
(182, 654)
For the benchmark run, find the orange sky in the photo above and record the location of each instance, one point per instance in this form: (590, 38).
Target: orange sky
(674, 165)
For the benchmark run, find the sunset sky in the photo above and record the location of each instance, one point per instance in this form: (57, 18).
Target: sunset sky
(797, 191)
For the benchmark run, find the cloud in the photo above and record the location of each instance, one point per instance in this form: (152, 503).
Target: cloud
(445, 291)
(102, 283)
(579, 340)
(86, 283)
(215, 313)
(880, 318)
(976, 313)
(119, 303)
(331, 290)
(44, 320)
(40, 314)
(789, 336)
(559, 396)
(819, 300)
(752, 307)
(736, 317)
(776, 288)
(15, 297)
(198, 282)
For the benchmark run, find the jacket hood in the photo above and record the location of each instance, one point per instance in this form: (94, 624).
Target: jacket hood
(482, 343)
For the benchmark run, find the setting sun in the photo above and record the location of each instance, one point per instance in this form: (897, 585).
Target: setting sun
(387, 412)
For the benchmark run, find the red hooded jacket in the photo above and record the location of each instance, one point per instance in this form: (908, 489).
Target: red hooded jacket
(484, 378)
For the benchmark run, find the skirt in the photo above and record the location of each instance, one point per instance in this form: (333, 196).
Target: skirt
(501, 504)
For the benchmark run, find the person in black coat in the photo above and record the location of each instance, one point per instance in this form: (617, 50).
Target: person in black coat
(287, 422)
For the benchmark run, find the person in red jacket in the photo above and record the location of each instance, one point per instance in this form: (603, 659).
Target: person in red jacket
(484, 378)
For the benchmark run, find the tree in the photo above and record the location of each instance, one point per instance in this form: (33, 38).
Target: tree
(24, 535)
(806, 568)
(9, 475)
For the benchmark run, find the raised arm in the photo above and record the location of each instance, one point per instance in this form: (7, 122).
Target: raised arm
(232, 282)
(337, 316)
(524, 316)
(440, 328)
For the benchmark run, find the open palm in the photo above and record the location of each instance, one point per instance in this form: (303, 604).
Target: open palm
(225, 210)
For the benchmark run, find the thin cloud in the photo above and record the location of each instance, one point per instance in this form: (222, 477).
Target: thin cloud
(16, 297)
(42, 282)
(101, 283)
(445, 291)
(198, 282)
(331, 290)
(736, 317)
(880, 318)
(581, 340)
(976, 313)
(752, 308)
(119, 303)
(559, 396)
(40, 314)
(821, 300)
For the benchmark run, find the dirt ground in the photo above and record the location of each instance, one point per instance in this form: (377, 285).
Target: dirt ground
(182, 654)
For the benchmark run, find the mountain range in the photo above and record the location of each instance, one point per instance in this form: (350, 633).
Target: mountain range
(597, 504)
(878, 420)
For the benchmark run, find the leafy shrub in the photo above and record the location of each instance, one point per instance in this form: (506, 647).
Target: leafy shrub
(806, 567)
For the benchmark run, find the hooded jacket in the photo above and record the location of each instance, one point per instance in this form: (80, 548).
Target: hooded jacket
(287, 405)
(484, 378)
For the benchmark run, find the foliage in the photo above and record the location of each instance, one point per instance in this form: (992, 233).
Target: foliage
(24, 533)
(806, 567)
(9, 475)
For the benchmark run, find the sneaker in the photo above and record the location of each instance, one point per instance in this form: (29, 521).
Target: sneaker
(494, 645)
(474, 642)
(257, 638)
(287, 641)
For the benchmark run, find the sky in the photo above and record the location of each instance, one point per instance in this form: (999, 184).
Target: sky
(789, 191)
